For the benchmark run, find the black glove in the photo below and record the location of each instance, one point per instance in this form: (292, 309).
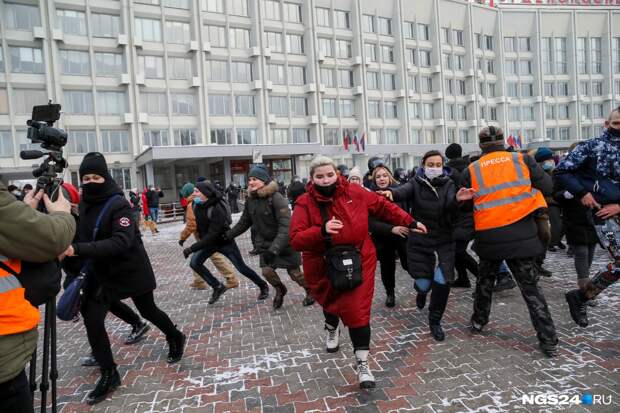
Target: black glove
(181, 242)
(187, 252)
(269, 257)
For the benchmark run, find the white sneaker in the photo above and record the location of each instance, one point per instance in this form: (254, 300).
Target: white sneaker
(364, 375)
(333, 338)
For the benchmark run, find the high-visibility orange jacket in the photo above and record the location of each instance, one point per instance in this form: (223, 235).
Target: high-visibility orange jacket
(503, 190)
(16, 313)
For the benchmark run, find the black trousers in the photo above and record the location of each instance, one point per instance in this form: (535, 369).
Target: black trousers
(464, 262)
(360, 336)
(124, 312)
(94, 312)
(387, 262)
(15, 395)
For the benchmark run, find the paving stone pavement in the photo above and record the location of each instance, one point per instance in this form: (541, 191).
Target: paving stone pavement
(242, 356)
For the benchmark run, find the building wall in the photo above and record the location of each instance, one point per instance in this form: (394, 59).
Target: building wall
(389, 70)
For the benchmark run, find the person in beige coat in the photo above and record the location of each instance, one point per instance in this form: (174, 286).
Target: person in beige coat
(219, 261)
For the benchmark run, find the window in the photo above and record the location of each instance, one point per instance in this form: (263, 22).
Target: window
(586, 110)
(294, 43)
(512, 89)
(179, 68)
(328, 77)
(329, 107)
(279, 136)
(278, 105)
(597, 111)
(177, 32)
(390, 110)
(244, 105)
(372, 80)
(240, 38)
(510, 44)
(527, 113)
(156, 137)
(387, 54)
(241, 72)
(246, 136)
(583, 87)
(616, 56)
(460, 87)
(301, 135)
(77, 102)
(219, 105)
(525, 67)
(563, 112)
(274, 41)
(374, 111)
(213, 6)
(423, 32)
(216, 35)
(183, 103)
(1, 61)
(425, 58)
(322, 17)
(347, 108)
(82, 141)
(151, 66)
(26, 60)
(217, 70)
(493, 113)
(185, 137)
(410, 56)
(104, 25)
(332, 136)
(292, 12)
(464, 136)
(177, 4)
(415, 136)
(560, 55)
(148, 30)
(342, 19)
(369, 23)
(345, 78)
(409, 30)
(371, 51)
(389, 81)
(549, 89)
(414, 110)
(586, 132)
(459, 62)
(115, 141)
(527, 90)
(271, 8)
(108, 64)
(299, 106)
(488, 41)
(343, 49)
(122, 176)
(111, 103)
(221, 136)
(491, 90)
(514, 113)
(238, 7)
(71, 22)
(490, 66)
(275, 73)
(426, 84)
(296, 75)
(461, 111)
(447, 61)
(21, 17)
(384, 25)
(511, 67)
(547, 55)
(582, 62)
(428, 111)
(524, 44)
(445, 35)
(325, 46)
(595, 55)
(154, 103)
(564, 134)
(549, 111)
(478, 37)
(550, 134)
(74, 62)
(562, 89)
(391, 137)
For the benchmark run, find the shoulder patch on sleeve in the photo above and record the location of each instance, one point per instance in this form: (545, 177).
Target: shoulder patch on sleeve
(124, 222)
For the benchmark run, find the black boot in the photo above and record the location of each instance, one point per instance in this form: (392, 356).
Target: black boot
(264, 292)
(436, 308)
(308, 299)
(107, 383)
(89, 361)
(390, 299)
(504, 282)
(217, 293)
(420, 300)
(176, 346)
(137, 332)
(577, 307)
(279, 297)
(462, 281)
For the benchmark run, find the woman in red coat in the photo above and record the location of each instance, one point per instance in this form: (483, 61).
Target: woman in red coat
(348, 206)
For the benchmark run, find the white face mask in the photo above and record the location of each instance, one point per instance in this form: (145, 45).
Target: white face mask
(433, 172)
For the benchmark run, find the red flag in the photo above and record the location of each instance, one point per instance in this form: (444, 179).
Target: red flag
(511, 141)
(356, 142)
(345, 140)
(363, 141)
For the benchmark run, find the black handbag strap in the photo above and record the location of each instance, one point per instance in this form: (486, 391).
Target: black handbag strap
(8, 269)
(325, 217)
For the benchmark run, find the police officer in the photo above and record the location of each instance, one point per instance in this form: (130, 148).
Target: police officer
(25, 234)
(506, 190)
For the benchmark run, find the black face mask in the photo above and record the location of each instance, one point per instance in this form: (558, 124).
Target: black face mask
(614, 133)
(94, 193)
(328, 190)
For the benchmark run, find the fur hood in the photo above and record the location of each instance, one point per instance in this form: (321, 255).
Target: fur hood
(266, 191)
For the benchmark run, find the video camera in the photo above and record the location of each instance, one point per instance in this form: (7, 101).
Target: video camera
(41, 130)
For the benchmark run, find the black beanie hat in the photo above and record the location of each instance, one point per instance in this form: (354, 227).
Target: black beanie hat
(207, 189)
(454, 151)
(94, 163)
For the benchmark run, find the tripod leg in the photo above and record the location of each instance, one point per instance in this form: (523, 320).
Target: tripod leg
(45, 365)
(53, 363)
(33, 374)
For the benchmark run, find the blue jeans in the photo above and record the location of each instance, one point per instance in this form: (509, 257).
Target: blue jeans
(503, 268)
(154, 214)
(230, 251)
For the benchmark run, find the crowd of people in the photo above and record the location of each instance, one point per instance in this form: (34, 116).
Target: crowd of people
(508, 207)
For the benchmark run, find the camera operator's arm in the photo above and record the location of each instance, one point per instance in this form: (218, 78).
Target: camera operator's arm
(30, 235)
(119, 242)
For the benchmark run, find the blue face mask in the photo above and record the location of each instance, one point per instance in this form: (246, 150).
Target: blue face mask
(198, 201)
(548, 165)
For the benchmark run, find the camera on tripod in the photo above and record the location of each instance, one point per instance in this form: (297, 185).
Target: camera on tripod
(41, 131)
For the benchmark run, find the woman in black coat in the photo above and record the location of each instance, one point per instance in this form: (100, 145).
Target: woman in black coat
(390, 240)
(118, 267)
(432, 196)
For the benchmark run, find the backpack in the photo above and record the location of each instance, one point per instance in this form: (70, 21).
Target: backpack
(226, 206)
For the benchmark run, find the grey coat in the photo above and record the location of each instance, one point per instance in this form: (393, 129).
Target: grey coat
(267, 212)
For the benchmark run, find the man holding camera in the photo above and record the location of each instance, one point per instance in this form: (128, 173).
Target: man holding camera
(25, 234)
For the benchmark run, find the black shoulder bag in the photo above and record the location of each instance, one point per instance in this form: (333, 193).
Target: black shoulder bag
(343, 262)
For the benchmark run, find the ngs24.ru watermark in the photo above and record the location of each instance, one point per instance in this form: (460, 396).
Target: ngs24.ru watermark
(554, 399)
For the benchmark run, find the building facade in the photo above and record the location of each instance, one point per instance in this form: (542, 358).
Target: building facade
(170, 90)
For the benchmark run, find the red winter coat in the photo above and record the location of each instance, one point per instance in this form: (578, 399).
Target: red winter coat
(351, 204)
(145, 204)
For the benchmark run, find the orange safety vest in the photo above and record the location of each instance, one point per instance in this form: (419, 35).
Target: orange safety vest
(16, 313)
(503, 190)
